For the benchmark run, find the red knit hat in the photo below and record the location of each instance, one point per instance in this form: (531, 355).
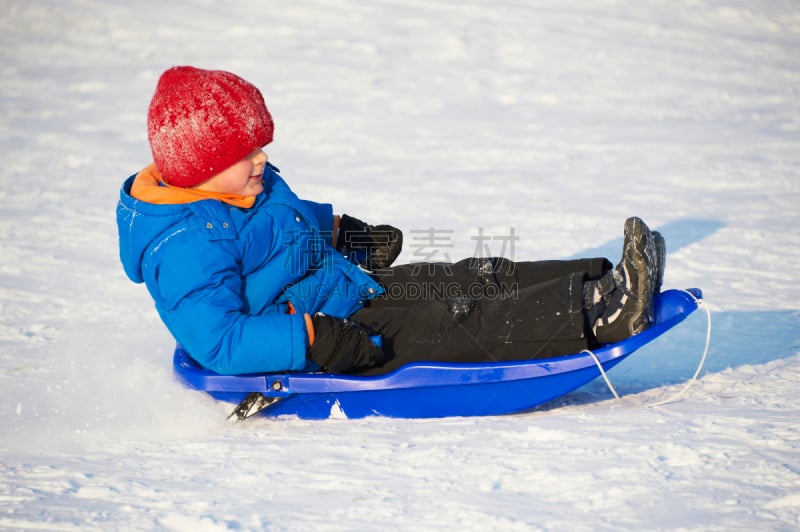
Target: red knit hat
(201, 122)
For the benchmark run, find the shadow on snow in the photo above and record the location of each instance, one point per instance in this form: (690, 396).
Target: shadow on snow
(738, 338)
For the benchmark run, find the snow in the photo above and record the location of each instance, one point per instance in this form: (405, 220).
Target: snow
(544, 120)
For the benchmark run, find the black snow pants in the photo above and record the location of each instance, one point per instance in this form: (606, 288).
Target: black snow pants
(481, 310)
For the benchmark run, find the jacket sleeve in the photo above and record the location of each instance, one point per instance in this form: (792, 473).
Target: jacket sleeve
(197, 289)
(336, 287)
(323, 213)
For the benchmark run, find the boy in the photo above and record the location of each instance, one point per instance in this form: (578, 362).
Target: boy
(249, 278)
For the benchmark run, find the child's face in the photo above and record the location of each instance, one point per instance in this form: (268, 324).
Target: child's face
(243, 178)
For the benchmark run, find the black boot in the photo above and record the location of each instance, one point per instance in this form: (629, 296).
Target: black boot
(626, 292)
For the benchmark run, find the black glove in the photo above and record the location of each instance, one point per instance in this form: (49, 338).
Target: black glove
(343, 346)
(372, 246)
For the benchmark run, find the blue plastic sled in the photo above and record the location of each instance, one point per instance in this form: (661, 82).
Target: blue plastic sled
(427, 389)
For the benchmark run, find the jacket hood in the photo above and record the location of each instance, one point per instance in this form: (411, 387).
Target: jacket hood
(139, 224)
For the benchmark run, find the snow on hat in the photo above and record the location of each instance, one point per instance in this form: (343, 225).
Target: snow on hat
(201, 122)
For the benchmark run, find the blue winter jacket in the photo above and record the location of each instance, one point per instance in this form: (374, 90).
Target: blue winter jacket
(223, 278)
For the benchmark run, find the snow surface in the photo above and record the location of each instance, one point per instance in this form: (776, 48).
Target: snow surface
(556, 120)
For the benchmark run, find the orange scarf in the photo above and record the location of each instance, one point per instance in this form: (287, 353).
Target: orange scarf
(149, 186)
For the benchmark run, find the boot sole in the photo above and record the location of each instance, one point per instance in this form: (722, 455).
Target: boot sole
(661, 260)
